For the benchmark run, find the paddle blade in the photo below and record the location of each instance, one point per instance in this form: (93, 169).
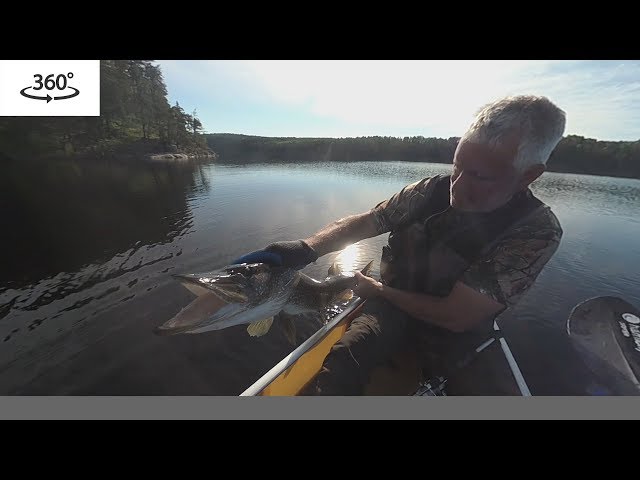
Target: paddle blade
(606, 333)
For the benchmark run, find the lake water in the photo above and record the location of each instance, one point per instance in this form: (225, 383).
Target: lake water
(88, 249)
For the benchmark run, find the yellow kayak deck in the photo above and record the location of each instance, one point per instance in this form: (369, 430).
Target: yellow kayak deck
(490, 374)
(292, 380)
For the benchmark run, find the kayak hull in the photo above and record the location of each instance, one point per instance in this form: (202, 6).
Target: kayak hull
(488, 374)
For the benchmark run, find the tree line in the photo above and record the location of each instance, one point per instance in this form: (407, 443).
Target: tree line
(574, 154)
(136, 118)
(135, 115)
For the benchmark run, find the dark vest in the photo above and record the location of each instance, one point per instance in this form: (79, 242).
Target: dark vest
(431, 254)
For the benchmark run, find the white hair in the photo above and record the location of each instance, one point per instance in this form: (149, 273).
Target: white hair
(538, 122)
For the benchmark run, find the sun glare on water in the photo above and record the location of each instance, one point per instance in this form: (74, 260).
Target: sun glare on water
(348, 258)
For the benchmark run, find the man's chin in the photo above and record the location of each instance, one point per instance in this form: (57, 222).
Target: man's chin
(467, 208)
(462, 206)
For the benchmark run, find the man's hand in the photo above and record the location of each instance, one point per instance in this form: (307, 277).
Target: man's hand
(292, 254)
(366, 287)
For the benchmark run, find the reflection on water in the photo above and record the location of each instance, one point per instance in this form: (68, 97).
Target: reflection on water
(65, 215)
(347, 258)
(88, 250)
(84, 237)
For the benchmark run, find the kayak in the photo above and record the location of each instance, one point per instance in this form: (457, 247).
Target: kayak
(604, 331)
(490, 369)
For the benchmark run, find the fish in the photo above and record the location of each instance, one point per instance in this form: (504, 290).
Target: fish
(254, 294)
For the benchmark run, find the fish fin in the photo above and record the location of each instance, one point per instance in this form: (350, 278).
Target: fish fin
(260, 328)
(334, 269)
(288, 328)
(367, 269)
(345, 295)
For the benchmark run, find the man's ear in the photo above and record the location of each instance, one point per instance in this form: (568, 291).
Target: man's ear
(531, 174)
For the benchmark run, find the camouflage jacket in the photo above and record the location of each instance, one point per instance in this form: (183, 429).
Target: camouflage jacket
(510, 268)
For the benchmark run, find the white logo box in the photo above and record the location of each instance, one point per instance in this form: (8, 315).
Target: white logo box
(50, 88)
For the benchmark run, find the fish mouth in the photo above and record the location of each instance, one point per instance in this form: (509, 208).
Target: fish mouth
(227, 288)
(208, 310)
(220, 296)
(230, 296)
(164, 331)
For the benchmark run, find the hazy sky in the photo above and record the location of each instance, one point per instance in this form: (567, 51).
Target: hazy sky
(432, 98)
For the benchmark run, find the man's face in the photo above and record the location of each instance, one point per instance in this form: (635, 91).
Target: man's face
(483, 178)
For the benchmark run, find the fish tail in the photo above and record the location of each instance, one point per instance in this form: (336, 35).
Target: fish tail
(367, 269)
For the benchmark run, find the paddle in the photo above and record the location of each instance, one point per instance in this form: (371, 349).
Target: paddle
(605, 331)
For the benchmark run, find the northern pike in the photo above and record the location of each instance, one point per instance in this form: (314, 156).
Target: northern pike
(253, 294)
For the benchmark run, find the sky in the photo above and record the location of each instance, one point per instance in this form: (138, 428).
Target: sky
(398, 98)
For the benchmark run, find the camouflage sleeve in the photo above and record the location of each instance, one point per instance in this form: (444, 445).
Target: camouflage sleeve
(508, 272)
(401, 208)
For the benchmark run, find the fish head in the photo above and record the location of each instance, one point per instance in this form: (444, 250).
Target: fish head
(233, 295)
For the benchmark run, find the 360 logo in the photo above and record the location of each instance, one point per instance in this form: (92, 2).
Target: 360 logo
(50, 88)
(51, 82)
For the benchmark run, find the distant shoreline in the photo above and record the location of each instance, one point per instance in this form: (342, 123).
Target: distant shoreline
(150, 150)
(274, 162)
(574, 154)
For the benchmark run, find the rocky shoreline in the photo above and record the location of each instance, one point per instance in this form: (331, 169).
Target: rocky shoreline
(178, 156)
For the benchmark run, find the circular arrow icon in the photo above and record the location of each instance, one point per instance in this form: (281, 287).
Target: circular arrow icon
(48, 98)
(68, 96)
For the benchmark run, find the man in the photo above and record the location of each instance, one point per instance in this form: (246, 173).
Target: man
(462, 248)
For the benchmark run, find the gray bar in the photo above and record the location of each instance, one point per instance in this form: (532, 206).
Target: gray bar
(361, 408)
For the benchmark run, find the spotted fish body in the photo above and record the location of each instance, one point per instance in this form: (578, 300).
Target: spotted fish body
(253, 294)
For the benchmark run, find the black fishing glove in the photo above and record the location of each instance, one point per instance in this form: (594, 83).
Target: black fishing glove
(294, 253)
